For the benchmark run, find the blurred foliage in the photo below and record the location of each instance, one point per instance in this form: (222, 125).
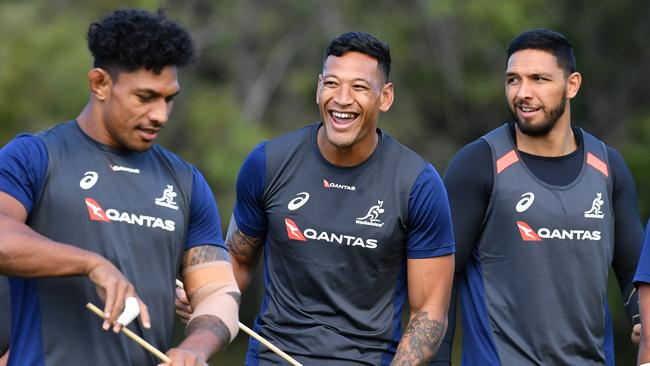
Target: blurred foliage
(259, 61)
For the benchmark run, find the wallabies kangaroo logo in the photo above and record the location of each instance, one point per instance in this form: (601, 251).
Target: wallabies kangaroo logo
(595, 211)
(372, 217)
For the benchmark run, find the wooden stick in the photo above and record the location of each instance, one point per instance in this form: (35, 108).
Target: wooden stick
(259, 338)
(163, 357)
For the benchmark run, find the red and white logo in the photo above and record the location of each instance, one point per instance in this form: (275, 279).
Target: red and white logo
(95, 211)
(527, 234)
(328, 184)
(293, 232)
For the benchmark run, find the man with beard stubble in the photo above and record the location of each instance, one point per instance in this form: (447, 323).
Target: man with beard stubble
(541, 210)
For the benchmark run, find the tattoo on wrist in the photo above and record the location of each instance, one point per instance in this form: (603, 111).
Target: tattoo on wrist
(420, 341)
(212, 324)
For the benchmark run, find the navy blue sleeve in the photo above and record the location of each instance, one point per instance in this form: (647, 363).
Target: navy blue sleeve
(469, 183)
(430, 233)
(23, 165)
(205, 224)
(628, 233)
(249, 210)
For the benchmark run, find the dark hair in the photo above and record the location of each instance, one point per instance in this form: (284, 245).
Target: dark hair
(129, 39)
(364, 43)
(546, 40)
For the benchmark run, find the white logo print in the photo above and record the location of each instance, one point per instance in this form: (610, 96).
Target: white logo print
(371, 218)
(595, 210)
(119, 168)
(296, 203)
(525, 202)
(167, 199)
(89, 180)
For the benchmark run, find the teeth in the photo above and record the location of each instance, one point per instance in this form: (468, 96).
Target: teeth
(343, 115)
(527, 109)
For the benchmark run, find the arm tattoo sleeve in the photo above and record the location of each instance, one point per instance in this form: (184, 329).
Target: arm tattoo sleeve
(420, 341)
(204, 254)
(241, 245)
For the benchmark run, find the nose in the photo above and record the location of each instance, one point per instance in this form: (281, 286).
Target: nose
(159, 112)
(524, 90)
(343, 95)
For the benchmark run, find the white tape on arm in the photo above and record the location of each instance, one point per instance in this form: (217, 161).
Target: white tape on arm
(130, 312)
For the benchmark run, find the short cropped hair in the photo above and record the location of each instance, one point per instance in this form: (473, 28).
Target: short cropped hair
(130, 39)
(364, 43)
(549, 41)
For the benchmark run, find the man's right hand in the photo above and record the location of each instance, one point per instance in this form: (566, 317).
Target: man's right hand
(113, 288)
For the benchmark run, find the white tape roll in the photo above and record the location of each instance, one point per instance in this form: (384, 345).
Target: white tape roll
(130, 312)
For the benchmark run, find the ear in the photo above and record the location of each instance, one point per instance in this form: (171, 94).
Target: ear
(99, 82)
(319, 87)
(386, 97)
(573, 85)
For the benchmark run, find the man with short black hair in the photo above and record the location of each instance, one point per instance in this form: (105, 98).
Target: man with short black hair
(350, 223)
(92, 210)
(541, 210)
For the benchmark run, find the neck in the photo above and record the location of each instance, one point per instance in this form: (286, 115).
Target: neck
(88, 121)
(347, 156)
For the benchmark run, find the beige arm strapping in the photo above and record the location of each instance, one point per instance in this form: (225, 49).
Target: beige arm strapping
(212, 289)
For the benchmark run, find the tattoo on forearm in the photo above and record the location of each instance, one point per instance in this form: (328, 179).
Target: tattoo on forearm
(212, 324)
(420, 341)
(204, 254)
(241, 244)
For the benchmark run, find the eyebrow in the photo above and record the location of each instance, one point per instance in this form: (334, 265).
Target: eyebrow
(154, 93)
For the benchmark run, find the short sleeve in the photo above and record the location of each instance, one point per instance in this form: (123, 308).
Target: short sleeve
(23, 166)
(205, 223)
(249, 210)
(430, 232)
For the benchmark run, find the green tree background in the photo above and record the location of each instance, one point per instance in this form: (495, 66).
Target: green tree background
(259, 60)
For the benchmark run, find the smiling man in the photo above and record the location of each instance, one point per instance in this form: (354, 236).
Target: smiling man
(541, 210)
(92, 210)
(350, 223)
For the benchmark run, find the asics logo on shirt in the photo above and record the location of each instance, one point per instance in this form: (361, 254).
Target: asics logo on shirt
(294, 233)
(296, 203)
(529, 234)
(525, 202)
(97, 213)
(89, 180)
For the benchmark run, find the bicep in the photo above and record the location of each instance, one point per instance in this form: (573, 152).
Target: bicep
(244, 248)
(12, 208)
(429, 283)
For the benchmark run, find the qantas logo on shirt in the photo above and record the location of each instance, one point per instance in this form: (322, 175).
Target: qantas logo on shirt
(97, 213)
(294, 233)
(328, 184)
(529, 234)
